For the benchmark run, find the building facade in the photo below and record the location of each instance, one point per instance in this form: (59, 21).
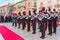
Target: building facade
(6, 9)
(26, 5)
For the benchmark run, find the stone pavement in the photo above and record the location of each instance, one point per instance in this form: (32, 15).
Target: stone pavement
(29, 36)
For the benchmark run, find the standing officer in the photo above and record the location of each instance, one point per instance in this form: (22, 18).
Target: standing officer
(40, 12)
(34, 22)
(24, 20)
(45, 19)
(14, 20)
(50, 21)
(42, 29)
(28, 21)
(55, 19)
(19, 19)
(39, 22)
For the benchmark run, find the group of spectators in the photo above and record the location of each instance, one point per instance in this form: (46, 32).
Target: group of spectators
(7, 18)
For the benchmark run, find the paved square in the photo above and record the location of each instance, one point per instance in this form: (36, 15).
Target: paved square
(29, 36)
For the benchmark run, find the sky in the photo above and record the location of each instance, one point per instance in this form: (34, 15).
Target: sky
(5, 2)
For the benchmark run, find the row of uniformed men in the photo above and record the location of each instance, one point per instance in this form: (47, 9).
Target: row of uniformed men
(45, 19)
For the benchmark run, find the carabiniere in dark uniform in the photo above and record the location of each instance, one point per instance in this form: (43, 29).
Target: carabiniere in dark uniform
(42, 29)
(19, 19)
(24, 20)
(28, 20)
(50, 22)
(54, 22)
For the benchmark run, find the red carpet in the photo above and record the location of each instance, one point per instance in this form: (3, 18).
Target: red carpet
(8, 34)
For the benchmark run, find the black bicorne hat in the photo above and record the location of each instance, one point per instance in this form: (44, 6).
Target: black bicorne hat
(49, 9)
(54, 10)
(19, 13)
(43, 9)
(29, 12)
(24, 13)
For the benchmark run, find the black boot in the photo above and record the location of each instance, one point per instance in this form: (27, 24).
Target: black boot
(54, 32)
(28, 30)
(42, 37)
(18, 27)
(49, 34)
(33, 33)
